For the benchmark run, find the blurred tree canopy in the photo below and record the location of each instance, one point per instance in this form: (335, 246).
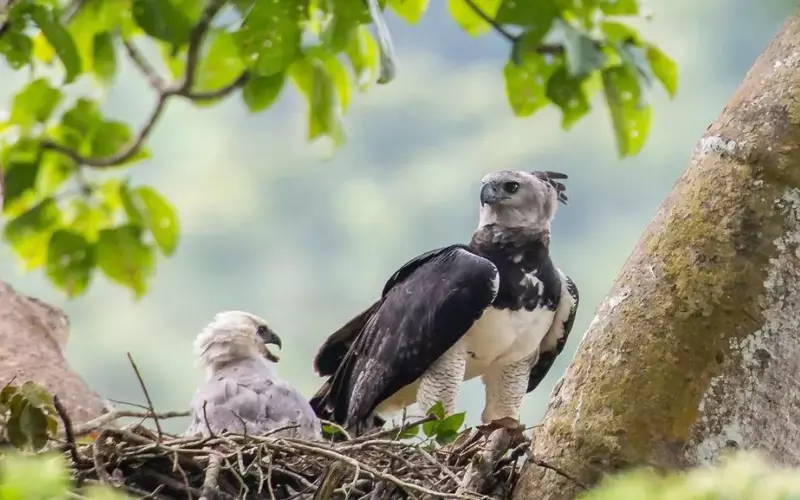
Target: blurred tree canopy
(66, 216)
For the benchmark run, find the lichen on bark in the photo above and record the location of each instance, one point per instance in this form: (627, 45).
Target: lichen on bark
(703, 319)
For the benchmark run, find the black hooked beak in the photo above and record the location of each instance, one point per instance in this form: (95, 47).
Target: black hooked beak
(269, 337)
(491, 194)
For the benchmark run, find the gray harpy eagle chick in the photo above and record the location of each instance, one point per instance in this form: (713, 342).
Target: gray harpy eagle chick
(497, 309)
(242, 387)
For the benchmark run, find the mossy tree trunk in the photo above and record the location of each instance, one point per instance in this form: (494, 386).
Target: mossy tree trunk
(697, 347)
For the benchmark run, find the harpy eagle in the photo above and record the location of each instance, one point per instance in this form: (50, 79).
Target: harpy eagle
(497, 308)
(242, 391)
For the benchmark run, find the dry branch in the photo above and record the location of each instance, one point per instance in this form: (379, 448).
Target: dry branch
(231, 466)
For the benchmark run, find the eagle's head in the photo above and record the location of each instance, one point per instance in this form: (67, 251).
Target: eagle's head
(513, 198)
(232, 336)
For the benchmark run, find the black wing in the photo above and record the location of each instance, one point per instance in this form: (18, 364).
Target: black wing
(427, 306)
(558, 334)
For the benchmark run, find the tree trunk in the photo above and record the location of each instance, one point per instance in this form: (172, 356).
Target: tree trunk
(33, 336)
(697, 346)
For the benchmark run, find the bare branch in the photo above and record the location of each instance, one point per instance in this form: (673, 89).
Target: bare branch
(147, 397)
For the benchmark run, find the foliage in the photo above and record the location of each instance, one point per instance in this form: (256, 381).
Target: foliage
(43, 477)
(67, 216)
(739, 477)
(27, 415)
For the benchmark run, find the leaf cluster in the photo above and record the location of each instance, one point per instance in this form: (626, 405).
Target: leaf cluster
(72, 210)
(27, 415)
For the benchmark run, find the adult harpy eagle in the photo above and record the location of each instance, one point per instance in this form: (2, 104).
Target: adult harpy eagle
(242, 392)
(497, 308)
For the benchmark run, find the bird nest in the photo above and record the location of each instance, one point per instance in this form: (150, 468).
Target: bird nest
(379, 465)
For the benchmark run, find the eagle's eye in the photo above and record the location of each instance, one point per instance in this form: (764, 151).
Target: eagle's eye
(511, 187)
(261, 331)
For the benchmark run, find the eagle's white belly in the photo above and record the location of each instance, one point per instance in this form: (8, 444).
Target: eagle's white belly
(502, 337)
(498, 339)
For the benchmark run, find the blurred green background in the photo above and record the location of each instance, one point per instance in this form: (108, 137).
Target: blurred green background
(278, 227)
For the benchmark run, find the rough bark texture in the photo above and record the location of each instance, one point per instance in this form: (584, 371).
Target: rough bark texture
(697, 346)
(33, 336)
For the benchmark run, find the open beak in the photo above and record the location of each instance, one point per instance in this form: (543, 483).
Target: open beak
(272, 338)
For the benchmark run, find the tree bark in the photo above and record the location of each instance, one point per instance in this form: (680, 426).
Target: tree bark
(33, 337)
(697, 346)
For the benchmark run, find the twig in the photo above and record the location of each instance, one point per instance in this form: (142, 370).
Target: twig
(102, 420)
(482, 465)
(205, 417)
(542, 49)
(145, 67)
(372, 471)
(210, 483)
(147, 397)
(70, 436)
(561, 472)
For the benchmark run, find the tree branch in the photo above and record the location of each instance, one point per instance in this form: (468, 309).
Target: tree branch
(500, 29)
(182, 88)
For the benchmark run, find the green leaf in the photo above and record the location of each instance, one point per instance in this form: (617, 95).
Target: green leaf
(261, 92)
(7, 393)
(269, 38)
(568, 94)
(316, 84)
(453, 422)
(109, 138)
(629, 115)
(30, 232)
(129, 204)
(536, 15)
(34, 104)
(526, 83)
(88, 220)
(437, 410)
(17, 48)
(61, 41)
(164, 20)
(160, 218)
(362, 51)
(619, 7)
(618, 32)
(410, 433)
(430, 428)
(54, 169)
(410, 10)
(105, 59)
(70, 260)
(446, 436)
(36, 395)
(331, 430)
(19, 177)
(125, 258)
(664, 68)
(222, 64)
(14, 431)
(346, 16)
(468, 20)
(582, 53)
(341, 81)
(33, 477)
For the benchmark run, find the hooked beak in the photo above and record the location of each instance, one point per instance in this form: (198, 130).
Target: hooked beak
(490, 194)
(271, 338)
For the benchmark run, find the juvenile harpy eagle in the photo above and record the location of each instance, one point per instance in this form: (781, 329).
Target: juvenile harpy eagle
(497, 308)
(242, 386)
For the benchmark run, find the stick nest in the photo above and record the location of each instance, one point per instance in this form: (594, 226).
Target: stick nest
(231, 466)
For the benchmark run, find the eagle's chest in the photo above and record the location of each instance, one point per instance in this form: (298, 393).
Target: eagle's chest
(501, 337)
